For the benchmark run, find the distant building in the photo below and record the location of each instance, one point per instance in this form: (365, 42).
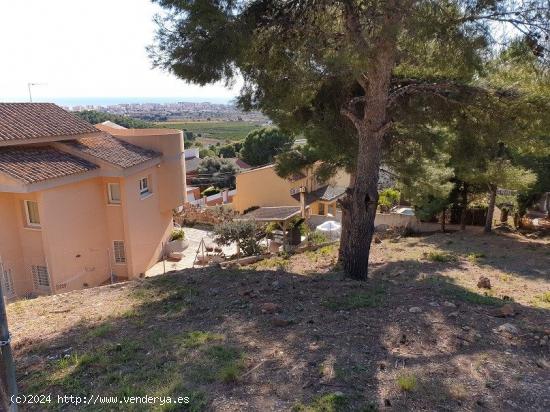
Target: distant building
(262, 187)
(80, 204)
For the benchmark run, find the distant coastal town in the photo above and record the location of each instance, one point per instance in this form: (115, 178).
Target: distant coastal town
(161, 112)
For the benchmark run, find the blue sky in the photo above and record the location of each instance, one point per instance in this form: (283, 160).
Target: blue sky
(86, 48)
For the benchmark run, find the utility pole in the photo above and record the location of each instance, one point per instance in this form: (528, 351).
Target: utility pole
(5, 348)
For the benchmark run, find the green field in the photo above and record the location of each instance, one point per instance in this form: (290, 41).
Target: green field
(215, 130)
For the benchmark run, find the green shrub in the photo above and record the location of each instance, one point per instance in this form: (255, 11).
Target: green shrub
(388, 198)
(177, 234)
(245, 233)
(197, 338)
(209, 191)
(441, 257)
(330, 402)
(317, 237)
(406, 382)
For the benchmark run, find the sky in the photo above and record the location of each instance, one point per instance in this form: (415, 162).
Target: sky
(82, 49)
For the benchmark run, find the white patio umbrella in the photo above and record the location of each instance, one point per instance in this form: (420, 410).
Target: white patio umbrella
(330, 228)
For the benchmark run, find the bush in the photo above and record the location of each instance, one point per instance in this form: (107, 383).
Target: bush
(406, 382)
(442, 257)
(209, 191)
(388, 198)
(177, 234)
(244, 233)
(317, 237)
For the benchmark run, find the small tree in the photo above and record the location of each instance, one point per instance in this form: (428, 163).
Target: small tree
(429, 188)
(502, 173)
(262, 145)
(227, 151)
(244, 233)
(320, 67)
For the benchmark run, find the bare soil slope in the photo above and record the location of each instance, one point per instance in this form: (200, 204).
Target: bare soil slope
(292, 334)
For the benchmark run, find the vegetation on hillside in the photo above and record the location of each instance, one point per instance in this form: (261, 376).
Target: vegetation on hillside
(220, 130)
(95, 117)
(216, 171)
(261, 146)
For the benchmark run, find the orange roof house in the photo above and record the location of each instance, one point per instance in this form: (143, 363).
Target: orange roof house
(80, 205)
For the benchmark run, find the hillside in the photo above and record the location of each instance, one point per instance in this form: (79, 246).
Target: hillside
(215, 130)
(291, 334)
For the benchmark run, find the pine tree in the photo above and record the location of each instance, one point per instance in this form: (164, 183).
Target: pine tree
(338, 70)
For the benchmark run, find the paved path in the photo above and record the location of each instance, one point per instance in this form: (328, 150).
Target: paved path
(194, 236)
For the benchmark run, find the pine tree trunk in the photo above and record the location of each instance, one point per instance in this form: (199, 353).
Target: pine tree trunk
(464, 207)
(362, 198)
(490, 209)
(443, 212)
(346, 220)
(361, 204)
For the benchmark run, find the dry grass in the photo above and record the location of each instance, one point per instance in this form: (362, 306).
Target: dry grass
(328, 344)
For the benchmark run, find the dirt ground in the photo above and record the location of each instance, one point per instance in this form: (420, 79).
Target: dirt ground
(293, 334)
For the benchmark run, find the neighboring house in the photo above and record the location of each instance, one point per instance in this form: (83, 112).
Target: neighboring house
(80, 204)
(261, 187)
(239, 163)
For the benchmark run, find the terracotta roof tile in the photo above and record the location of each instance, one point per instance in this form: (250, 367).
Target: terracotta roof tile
(35, 164)
(112, 150)
(21, 121)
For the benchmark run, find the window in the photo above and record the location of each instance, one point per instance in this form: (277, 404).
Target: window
(120, 253)
(113, 190)
(144, 189)
(31, 212)
(40, 277)
(7, 282)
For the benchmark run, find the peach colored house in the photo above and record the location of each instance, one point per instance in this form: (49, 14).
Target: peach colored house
(81, 205)
(261, 187)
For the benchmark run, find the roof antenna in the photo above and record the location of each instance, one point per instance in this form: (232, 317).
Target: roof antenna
(33, 84)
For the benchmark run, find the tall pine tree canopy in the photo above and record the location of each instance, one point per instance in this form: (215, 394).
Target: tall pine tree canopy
(358, 78)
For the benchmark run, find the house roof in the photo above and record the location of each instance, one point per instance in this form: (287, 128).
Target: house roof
(36, 164)
(238, 162)
(326, 193)
(23, 121)
(112, 150)
(112, 125)
(271, 214)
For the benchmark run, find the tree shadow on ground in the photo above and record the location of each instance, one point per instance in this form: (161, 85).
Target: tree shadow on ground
(506, 253)
(273, 340)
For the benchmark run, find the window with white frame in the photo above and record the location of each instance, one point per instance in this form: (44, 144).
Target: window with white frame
(113, 190)
(31, 213)
(144, 186)
(40, 277)
(119, 252)
(7, 282)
